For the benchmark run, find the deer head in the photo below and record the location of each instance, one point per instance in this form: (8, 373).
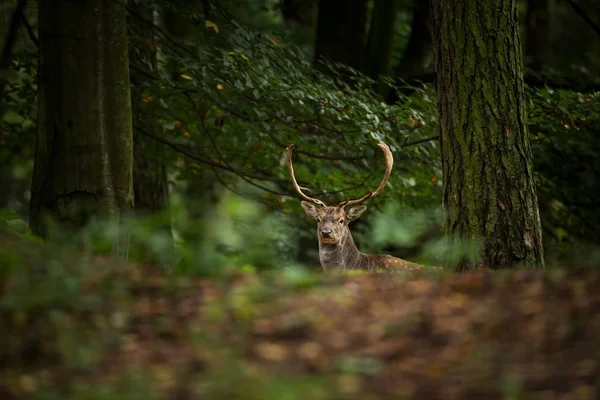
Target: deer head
(332, 221)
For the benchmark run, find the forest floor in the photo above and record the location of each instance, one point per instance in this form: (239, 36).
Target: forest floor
(121, 331)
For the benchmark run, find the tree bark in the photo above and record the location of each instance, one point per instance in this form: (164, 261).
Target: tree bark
(84, 156)
(150, 186)
(379, 43)
(489, 190)
(538, 33)
(341, 31)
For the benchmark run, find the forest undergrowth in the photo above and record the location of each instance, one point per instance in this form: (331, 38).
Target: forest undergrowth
(83, 326)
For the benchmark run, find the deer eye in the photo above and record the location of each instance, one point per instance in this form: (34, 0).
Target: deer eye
(341, 221)
(318, 219)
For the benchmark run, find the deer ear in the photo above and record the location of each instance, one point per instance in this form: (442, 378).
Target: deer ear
(310, 209)
(355, 212)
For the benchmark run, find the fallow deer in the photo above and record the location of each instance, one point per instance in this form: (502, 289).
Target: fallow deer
(336, 246)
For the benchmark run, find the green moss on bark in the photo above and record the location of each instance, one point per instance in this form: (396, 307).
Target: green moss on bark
(489, 190)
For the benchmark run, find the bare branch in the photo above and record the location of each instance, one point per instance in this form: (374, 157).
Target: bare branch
(581, 12)
(30, 31)
(220, 155)
(427, 139)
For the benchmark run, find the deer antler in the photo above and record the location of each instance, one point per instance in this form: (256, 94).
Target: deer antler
(389, 162)
(289, 151)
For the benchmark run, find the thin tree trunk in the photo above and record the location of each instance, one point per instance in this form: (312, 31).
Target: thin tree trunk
(203, 189)
(150, 181)
(379, 43)
(489, 191)
(538, 33)
(417, 58)
(84, 157)
(341, 31)
(10, 40)
(300, 12)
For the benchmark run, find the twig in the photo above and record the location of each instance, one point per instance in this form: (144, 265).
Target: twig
(317, 156)
(427, 139)
(220, 155)
(215, 166)
(161, 32)
(192, 155)
(30, 31)
(584, 16)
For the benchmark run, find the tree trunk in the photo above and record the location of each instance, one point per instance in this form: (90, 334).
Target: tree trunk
(150, 187)
(489, 191)
(379, 44)
(341, 31)
(202, 190)
(150, 181)
(538, 34)
(418, 55)
(83, 161)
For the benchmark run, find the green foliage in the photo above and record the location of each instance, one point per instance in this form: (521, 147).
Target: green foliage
(252, 95)
(566, 153)
(18, 113)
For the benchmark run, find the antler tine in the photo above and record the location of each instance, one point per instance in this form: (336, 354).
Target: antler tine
(389, 162)
(289, 151)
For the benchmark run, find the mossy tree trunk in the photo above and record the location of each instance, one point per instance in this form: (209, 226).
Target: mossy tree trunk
(341, 31)
(489, 191)
(84, 149)
(378, 52)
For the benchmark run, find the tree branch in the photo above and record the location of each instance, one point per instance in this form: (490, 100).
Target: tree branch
(532, 80)
(30, 31)
(427, 139)
(584, 16)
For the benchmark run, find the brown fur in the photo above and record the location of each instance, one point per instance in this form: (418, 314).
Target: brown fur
(338, 250)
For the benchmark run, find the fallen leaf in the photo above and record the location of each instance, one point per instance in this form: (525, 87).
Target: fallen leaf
(310, 350)
(271, 351)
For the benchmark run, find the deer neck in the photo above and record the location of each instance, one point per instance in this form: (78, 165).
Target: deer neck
(342, 255)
